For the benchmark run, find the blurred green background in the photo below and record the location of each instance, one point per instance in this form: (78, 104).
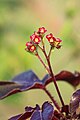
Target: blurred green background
(18, 20)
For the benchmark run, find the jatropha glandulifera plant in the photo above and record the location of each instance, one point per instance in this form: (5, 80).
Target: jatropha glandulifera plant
(29, 80)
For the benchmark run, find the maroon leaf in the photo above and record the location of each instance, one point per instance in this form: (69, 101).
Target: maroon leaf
(28, 80)
(23, 116)
(15, 117)
(73, 79)
(75, 102)
(28, 112)
(46, 113)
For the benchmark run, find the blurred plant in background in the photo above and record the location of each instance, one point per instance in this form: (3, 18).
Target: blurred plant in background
(18, 19)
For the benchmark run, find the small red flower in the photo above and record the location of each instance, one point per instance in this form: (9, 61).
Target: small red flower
(32, 37)
(35, 38)
(30, 47)
(58, 40)
(50, 38)
(41, 30)
(55, 42)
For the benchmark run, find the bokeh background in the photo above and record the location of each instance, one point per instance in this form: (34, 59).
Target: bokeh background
(18, 20)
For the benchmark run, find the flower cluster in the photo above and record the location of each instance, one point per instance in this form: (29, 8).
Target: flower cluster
(37, 37)
(54, 42)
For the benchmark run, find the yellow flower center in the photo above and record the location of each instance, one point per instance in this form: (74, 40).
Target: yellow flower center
(56, 43)
(51, 40)
(32, 48)
(36, 39)
(42, 30)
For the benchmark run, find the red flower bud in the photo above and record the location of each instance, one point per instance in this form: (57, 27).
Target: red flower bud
(41, 30)
(30, 47)
(50, 38)
(35, 38)
(55, 42)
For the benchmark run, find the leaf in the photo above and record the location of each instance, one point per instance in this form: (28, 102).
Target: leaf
(45, 113)
(36, 115)
(8, 88)
(72, 79)
(24, 81)
(15, 117)
(28, 112)
(75, 102)
(29, 80)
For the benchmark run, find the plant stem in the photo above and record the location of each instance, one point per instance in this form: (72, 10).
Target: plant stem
(54, 102)
(43, 63)
(50, 70)
(54, 79)
(50, 52)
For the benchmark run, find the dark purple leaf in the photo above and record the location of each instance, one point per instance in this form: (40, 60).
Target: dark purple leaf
(15, 117)
(73, 79)
(31, 108)
(36, 115)
(75, 102)
(24, 81)
(28, 80)
(8, 88)
(45, 114)
(23, 116)
(47, 111)
(27, 114)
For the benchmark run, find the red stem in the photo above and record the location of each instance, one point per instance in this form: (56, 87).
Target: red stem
(43, 63)
(54, 79)
(50, 52)
(50, 71)
(54, 102)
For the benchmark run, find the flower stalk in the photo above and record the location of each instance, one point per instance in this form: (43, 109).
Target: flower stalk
(54, 42)
(54, 79)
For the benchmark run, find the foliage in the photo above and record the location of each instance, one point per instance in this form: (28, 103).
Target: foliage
(29, 80)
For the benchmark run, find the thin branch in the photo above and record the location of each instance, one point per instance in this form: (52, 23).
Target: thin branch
(54, 79)
(52, 98)
(43, 63)
(50, 72)
(50, 52)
